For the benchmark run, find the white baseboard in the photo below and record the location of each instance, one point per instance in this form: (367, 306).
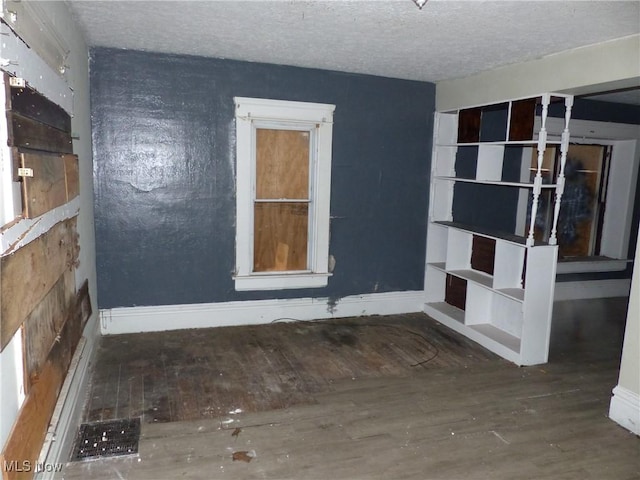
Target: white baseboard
(176, 317)
(618, 287)
(61, 434)
(625, 409)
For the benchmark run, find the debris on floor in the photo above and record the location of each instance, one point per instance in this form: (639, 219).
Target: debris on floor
(244, 456)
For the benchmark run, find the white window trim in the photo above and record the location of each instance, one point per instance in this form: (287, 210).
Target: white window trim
(318, 119)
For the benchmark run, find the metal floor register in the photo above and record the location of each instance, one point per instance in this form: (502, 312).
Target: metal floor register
(107, 439)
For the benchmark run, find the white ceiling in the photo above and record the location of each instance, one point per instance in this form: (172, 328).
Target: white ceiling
(393, 38)
(630, 97)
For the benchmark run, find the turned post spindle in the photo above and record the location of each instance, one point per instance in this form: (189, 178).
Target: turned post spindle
(537, 181)
(564, 148)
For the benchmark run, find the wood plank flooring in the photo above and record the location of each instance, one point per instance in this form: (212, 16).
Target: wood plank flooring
(464, 414)
(191, 374)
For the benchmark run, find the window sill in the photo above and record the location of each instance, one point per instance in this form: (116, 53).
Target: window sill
(591, 264)
(281, 281)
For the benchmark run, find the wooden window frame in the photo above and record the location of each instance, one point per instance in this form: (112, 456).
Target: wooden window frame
(317, 119)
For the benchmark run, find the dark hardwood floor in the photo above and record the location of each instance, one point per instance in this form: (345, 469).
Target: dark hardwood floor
(371, 398)
(191, 374)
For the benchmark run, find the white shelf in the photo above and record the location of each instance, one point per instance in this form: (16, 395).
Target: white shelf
(550, 186)
(448, 310)
(513, 293)
(509, 263)
(508, 305)
(481, 279)
(439, 265)
(507, 237)
(507, 315)
(471, 275)
(497, 335)
(517, 143)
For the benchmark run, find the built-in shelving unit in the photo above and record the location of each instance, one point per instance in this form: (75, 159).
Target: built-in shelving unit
(496, 287)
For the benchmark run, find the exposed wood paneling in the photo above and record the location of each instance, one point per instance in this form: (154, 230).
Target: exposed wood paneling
(72, 176)
(43, 326)
(28, 274)
(27, 435)
(31, 104)
(28, 432)
(38, 283)
(47, 188)
(280, 236)
(282, 164)
(28, 133)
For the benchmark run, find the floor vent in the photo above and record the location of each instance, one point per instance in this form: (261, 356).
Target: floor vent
(107, 439)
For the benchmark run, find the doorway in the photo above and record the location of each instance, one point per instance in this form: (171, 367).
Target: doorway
(583, 203)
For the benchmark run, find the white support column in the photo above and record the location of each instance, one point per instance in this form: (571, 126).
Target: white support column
(564, 148)
(537, 182)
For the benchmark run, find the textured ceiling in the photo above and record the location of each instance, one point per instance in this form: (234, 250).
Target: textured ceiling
(446, 39)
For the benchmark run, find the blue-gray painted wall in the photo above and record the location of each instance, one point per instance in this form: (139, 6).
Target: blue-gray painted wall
(164, 174)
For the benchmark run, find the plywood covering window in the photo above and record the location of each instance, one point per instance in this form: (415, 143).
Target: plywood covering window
(283, 184)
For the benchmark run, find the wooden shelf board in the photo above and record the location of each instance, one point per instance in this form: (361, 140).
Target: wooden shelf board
(494, 182)
(497, 335)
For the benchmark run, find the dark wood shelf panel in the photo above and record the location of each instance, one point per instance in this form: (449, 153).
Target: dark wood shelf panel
(483, 253)
(523, 114)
